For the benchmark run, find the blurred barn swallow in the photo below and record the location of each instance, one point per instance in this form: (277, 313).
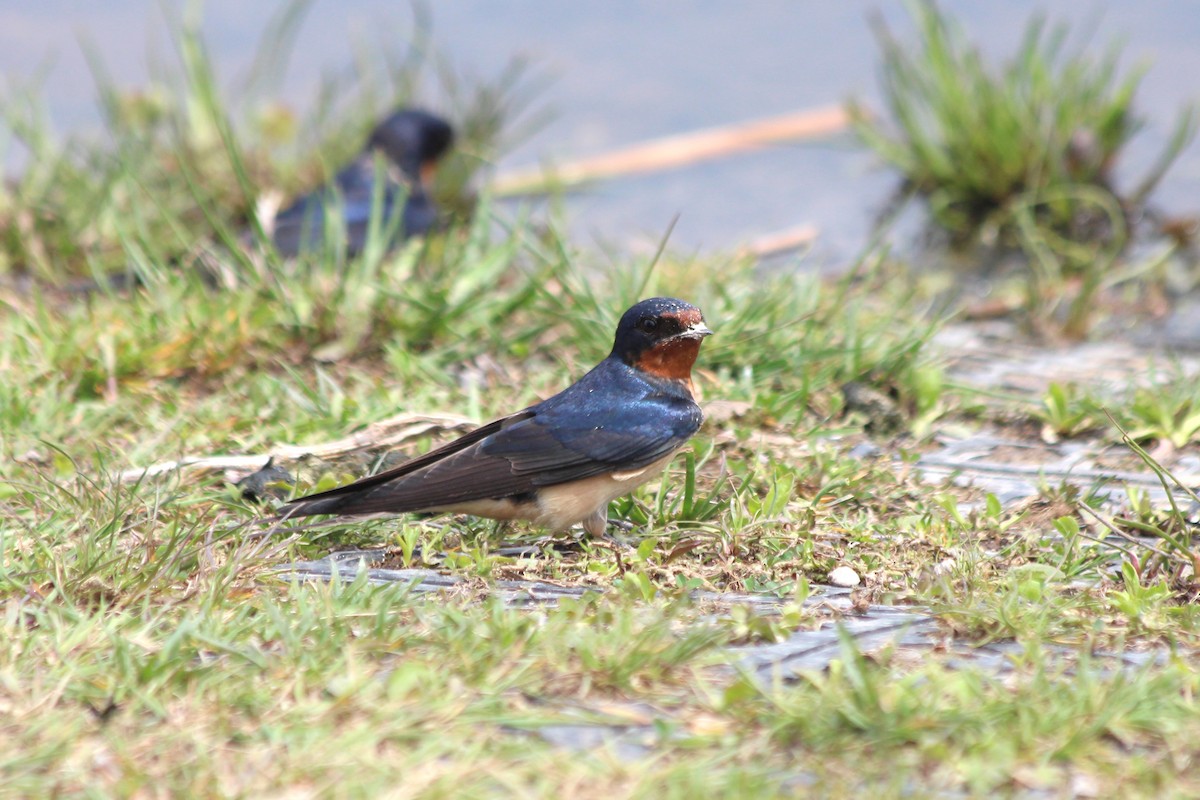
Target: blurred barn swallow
(412, 141)
(561, 461)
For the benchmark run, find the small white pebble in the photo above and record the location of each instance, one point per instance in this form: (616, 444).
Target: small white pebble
(944, 567)
(844, 577)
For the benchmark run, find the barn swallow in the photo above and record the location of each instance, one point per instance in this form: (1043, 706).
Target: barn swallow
(564, 459)
(412, 141)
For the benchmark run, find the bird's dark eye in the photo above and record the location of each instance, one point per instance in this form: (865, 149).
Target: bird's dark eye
(648, 324)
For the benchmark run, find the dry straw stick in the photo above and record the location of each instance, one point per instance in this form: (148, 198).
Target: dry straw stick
(780, 242)
(389, 432)
(677, 150)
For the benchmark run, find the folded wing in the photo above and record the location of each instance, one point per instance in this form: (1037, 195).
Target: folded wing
(548, 444)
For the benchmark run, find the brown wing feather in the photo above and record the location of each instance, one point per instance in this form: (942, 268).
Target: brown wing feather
(463, 477)
(309, 504)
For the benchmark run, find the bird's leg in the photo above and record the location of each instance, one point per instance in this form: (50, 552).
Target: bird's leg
(596, 523)
(500, 527)
(596, 526)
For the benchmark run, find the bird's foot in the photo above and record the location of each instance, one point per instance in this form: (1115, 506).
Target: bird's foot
(562, 544)
(615, 545)
(615, 541)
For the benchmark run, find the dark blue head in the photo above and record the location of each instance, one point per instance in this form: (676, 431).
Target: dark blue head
(661, 336)
(412, 139)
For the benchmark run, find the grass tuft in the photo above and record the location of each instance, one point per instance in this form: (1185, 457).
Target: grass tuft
(1021, 154)
(1037, 136)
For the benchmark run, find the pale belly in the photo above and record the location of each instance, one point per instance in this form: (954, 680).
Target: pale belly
(561, 506)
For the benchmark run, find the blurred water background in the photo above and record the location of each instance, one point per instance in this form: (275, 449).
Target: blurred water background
(628, 70)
